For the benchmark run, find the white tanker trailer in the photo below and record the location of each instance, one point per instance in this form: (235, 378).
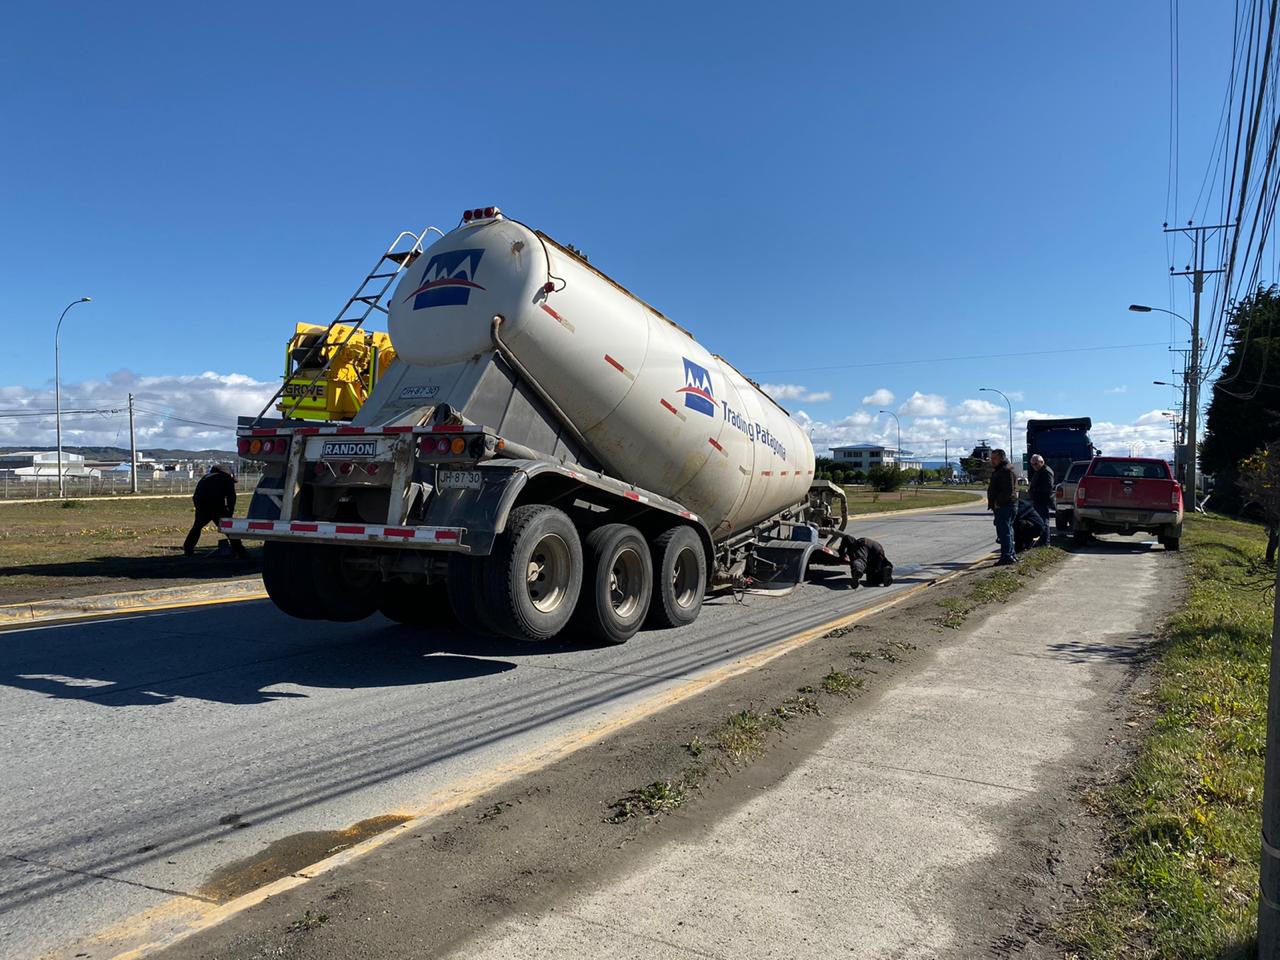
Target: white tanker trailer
(549, 451)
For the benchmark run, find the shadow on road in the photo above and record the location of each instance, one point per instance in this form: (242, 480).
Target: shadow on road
(174, 566)
(115, 666)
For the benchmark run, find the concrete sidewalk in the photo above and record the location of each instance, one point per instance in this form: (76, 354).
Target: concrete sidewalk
(932, 826)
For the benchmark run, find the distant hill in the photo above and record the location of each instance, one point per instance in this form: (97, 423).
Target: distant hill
(122, 453)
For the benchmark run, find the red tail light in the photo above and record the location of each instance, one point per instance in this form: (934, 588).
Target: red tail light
(1080, 495)
(466, 216)
(345, 468)
(1175, 498)
(1058, 493)
(242, 445)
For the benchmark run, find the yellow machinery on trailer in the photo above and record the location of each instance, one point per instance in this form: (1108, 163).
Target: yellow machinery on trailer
(329, 372)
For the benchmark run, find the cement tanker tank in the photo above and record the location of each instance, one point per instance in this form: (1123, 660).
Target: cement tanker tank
(547, 453)
(652, 404)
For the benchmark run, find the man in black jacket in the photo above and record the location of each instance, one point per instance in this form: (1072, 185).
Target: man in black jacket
(1002, 501)
(1040, 486)
(866, 557)
(214, 498)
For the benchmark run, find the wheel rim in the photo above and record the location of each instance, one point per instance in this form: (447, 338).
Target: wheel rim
(685, 577)
(626, 577)
(547, 573)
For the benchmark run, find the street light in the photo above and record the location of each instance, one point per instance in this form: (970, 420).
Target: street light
(1143, 308)
(897, 459)
(1008, 401)
(1191, 396)
(57, 390)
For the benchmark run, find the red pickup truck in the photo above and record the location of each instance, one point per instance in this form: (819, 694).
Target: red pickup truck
(1128, 494)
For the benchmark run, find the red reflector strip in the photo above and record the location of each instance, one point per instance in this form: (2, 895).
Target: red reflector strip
(307, 431)
(397, 429)
(630, 495)
(715, 443)
(398, 532)
(260, 525)
(446, 534)
(669, 407)
(264, 432)
(614, 363)
(304, 527)
(766, 473)
(350, 430)
(558, 319)
(348, 529)
(447, 428)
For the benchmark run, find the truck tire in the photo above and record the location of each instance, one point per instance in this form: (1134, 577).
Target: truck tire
(1080, 535)
(416, 604)
(281, 564)
(342, 593)
(1171, 543)
(680, 578)
(1062, 520)
(534, 575)
(465, 590)
(617, 583)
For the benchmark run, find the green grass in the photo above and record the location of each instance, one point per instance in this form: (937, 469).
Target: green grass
(1181, 879)
(837, 681)
(996, 587)
(863, 500)
(76, 547)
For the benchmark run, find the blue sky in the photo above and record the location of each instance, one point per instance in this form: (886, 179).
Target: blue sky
(803, 187)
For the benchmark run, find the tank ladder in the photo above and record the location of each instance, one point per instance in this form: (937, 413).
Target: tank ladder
(404, 250)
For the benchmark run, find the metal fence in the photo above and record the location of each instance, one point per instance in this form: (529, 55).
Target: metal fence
(44, 488)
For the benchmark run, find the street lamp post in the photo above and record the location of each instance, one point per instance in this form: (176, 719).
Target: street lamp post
(898, 458)
(57, 390)
(1193, 387)
(1008, 401)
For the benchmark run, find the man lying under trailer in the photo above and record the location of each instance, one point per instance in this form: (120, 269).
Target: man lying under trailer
(866, 558)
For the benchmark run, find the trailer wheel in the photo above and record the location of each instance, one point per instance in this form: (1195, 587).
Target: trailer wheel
(465, 590)
(534, 575)
(617, 583)
(416, 604)
(281, 565)
(343, 593)
(680, 578)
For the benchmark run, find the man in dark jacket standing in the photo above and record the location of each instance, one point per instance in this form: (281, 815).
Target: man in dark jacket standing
(1002, 501)
(214, 498)
(1040, 486)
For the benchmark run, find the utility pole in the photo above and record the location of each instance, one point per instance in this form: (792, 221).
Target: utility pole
(1196, 271)
(946, 459)
(133, 451)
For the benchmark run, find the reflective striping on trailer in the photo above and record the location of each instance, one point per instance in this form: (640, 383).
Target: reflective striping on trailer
(766, 473)
(614, 363)
(558, 319)
(348, 531)
(447, 428)
(631, 495)
(716, 443)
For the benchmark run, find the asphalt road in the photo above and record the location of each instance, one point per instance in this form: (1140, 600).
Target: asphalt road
(141, 754)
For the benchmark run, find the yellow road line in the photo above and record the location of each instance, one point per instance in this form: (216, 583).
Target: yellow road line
(91, 615)
(185, 916)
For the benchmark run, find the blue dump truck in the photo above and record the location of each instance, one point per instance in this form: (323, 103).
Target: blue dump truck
(1060, 442)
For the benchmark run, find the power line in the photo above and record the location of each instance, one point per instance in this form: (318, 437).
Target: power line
(972, 356)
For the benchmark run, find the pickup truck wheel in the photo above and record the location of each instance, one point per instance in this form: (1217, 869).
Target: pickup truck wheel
(1171, 543)
(416, 604)
(534, 576)
(1080, 535)
(617, 583)
(1062, 520)
(281, 565)
(680, 578)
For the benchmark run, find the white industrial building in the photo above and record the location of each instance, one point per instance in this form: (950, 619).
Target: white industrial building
(864, 456)
(31, 465)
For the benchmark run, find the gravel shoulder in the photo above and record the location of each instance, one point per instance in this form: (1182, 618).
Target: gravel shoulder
(894, 822)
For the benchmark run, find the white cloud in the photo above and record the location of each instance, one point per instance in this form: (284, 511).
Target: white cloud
(976, 411)
(183, 411)
(924, 405)
(1120, 389)
(880, 398)
(1153, 417)
(794, 391)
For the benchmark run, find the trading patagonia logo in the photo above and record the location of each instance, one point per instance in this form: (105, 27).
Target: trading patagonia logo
(697, 390)
(448, 280)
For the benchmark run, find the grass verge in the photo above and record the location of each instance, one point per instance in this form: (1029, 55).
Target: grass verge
(996, 587)
(862, 500)
(1180, 880)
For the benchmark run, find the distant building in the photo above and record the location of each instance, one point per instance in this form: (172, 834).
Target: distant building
(864, 456)
(32, 465)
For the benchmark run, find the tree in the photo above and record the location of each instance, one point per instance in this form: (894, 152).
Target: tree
(885, 479)
(1260, 483)
(1244, 412)
(857, 476)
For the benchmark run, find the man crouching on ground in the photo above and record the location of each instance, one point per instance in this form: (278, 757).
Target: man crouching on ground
(1002, 501)
(214, 499)
(866, 558)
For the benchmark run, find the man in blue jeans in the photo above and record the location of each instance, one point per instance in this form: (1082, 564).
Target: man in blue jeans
(1002, 501)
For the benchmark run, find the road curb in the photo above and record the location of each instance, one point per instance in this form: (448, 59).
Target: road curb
(134, 601)
(978, 499)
